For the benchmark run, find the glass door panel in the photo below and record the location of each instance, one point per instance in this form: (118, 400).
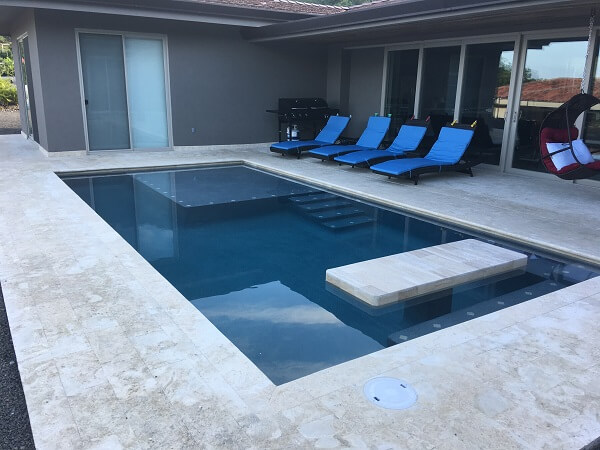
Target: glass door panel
(401, 86)
(439, 83)
(488, 68)
(552, 75)
(591, 123)
(25, 86)
(146, 92)
(103, 71)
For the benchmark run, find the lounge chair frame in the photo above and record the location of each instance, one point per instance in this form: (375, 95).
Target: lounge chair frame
(465, 167)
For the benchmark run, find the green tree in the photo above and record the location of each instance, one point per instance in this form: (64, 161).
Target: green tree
(7, 67)
(7, 64)
(505, 69)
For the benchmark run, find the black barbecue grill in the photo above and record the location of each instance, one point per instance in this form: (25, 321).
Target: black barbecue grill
(308, 114)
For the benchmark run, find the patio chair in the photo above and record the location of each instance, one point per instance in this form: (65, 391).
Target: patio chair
(328, 135)
(446, 154)
(408, 139)
(370, 139)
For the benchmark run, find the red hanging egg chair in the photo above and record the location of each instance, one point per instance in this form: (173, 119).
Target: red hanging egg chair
(559, 126)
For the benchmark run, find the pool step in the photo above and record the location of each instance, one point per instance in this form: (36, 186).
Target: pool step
(337, 202)
(312, 198)
(337, 213)
(330, 210)
(347, 222)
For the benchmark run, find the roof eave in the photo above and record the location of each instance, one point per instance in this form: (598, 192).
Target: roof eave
(388, 14)
(170, 9)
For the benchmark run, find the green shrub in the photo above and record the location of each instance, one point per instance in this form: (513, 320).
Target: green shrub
(8, 93)
(7, 67)
(7, 64)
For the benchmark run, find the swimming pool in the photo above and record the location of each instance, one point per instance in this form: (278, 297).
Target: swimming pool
(250, 251)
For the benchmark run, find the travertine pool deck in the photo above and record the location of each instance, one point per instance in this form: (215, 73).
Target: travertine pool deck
(400, 277)
(112, 356)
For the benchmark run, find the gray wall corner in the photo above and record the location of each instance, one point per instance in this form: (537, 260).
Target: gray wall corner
(364, 73)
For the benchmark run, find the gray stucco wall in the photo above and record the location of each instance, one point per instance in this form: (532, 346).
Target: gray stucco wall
(334, 75)
(26, 25)
(60, 82)
(228, 83)
(365, 81)
(220, 83)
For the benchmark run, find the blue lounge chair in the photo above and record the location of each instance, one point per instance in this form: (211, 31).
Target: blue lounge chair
(445, 154)
(369, 140)
(408, 139)
(328, 135)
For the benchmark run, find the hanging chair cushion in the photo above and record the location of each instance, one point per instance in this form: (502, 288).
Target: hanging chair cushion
(591, 166)
(560, 135)
(565, 158)
(554, 135)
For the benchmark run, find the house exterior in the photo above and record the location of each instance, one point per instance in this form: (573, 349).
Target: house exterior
(118, 74)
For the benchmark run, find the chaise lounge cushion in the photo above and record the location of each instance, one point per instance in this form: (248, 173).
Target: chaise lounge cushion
(447, 151)
(369, 140)
(328, 135)
(290, 145)
(333, 150)
(408, 139)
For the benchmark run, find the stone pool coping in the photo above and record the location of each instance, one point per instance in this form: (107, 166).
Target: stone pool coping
(112, 355)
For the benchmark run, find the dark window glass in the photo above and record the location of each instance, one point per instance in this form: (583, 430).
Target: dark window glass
(438, 88)
(488, 69)
(401, 86)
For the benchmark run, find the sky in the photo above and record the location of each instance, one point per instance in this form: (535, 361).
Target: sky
(559, 59)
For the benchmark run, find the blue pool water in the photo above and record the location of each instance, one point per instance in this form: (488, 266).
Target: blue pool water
(250, 251)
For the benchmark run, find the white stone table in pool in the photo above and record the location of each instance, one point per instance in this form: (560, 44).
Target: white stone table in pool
(400, 277)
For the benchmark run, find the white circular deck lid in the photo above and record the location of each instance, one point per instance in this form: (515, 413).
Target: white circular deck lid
(390, 393)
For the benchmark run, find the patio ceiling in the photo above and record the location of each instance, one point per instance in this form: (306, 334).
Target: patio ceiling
(8, 15)
(414, 20)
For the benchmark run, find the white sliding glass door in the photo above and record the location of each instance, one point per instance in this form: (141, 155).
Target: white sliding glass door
(124, 90)
(551, 75)
(146, 92)
(104, 86)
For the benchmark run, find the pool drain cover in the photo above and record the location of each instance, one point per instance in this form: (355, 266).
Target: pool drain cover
(390, 393)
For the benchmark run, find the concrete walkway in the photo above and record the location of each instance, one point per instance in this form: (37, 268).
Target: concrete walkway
(10, 122)
(111, 355)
